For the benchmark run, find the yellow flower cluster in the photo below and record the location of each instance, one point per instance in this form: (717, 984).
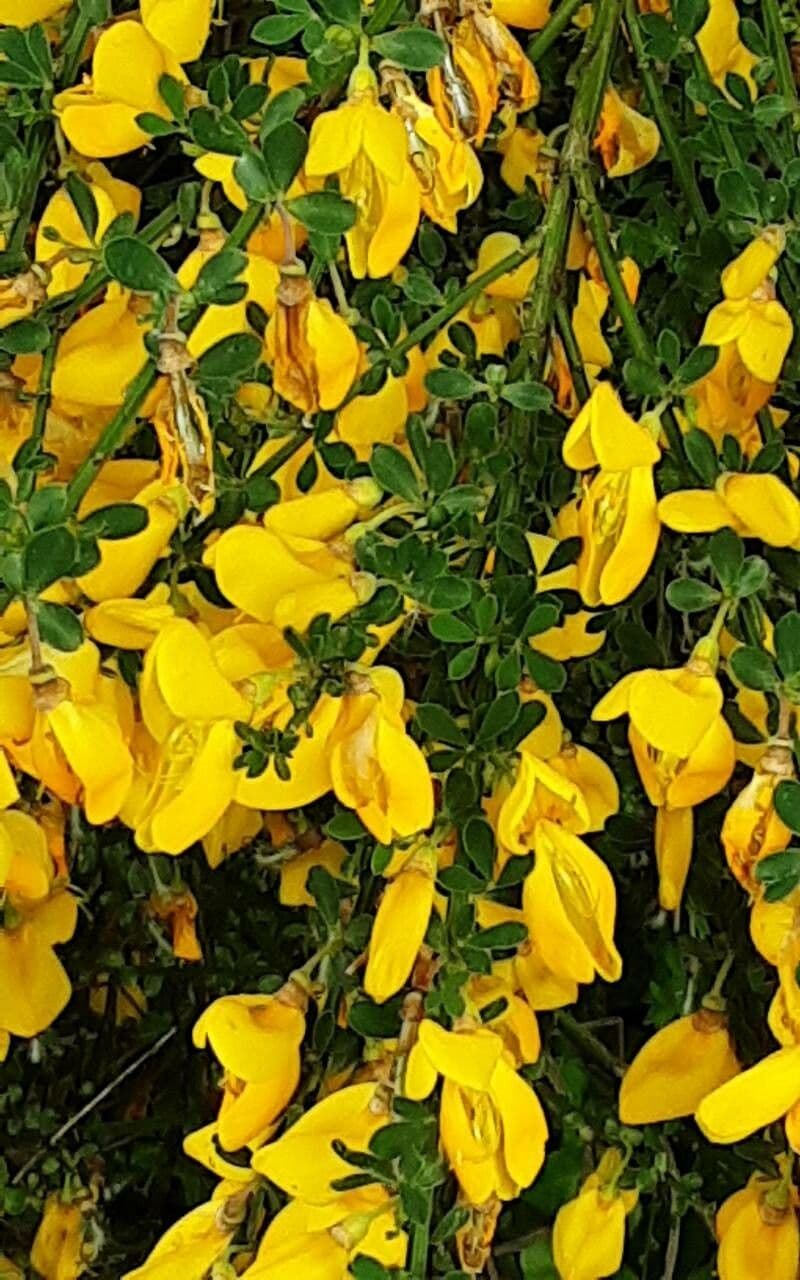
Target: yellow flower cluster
(190, 653)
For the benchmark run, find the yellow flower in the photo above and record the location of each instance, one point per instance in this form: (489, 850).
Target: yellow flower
(522, 159)
(721, 48)
(483, 62)
(187, 745)
(626, 140)
(366, 146)
(515, 285)
(572, 637)
(527, 971)
(570, 904)
(100, 353)
(531, 15)
(589, 1231)
(516, 1024)
(24, 13)
(99, 116)
(57, 1251)
(303, 1163)
(125, 562)
(125, 623)
(447, 169)
(751, 316)
(323, 1240)
(39, 912)
(758, 1232)
(313, 352)
(677, 1067)
(492, 1127)
(294, 873)
(181, 26)
(728, 400)
(683, 749)
(754, 505)
(753, 1099)
(752, 829)
(617, 515)
(179, 910)
(257, 1040)
(295, 565)
(196, 1241)
(400, 923)
(111, 197)
(376, 768)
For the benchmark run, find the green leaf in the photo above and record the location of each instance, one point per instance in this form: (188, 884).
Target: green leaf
(787, 804)
(345, 826)
(689, 596)
(754, 668)
(324, 211)
(642, 377)
(118, 520)
(787, 644)
(501, 937)
(450, 629)
(536, 1262)
(779, 874)
(322, 887)
(346, 13)
(133, 264)
(278, 28)
(49, 555)
(284, 152)
(734, 192)
(529, 396)
(500, 716)
(438, 724)
(771, 109)
(172, 93)
(281, 109)
(155, 125)
(451, 384)
(702, 456)
(394, 472)
(414, 48)
(59, 626)
(459, 879)
(83, 199)
(47, 506)
(697, 365)
(375, 1021)
(252, 173)
(541, 618)
(439, 466)
(548, 674)
(217, 273)
(460, 666)
(448, 592)
(689, 16)
(232, 357)
(753, 577)
(477, 842)
(726, 550)
(215, 132)
(24, 337)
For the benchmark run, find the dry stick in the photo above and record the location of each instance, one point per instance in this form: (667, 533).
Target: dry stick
(681, 164)
(96, 1100)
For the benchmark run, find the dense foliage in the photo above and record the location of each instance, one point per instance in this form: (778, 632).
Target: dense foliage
(399, 656)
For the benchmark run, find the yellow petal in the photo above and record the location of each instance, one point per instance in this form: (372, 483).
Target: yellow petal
(466, 1058)
(589, 1236)
(674, 840)
(753, 1099)
(398, 932)
(677, 1068)
(524, 1123)
(764, 507)
(182, 26)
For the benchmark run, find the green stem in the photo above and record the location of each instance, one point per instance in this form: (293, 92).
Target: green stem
(420, 1243)
(587, 1043)
(112, 436)
(43, 389)
(548, 35)
(465, 295)
(777, 40)
(681, 163)
(572, 350)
